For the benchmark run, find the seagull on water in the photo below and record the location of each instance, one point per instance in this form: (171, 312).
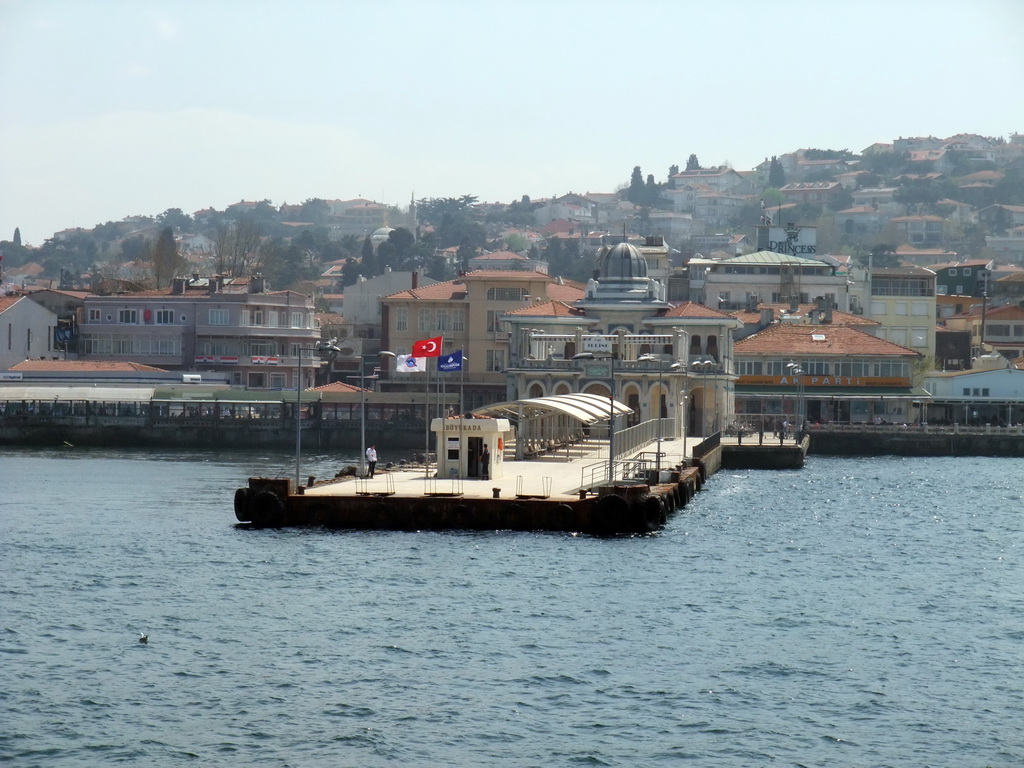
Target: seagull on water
(143, 638)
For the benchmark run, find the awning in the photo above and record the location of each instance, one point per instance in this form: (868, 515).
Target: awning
(837, 393)
(77, 392)
(585, 408)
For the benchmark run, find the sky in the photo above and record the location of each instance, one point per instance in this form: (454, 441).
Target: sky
(110, 109)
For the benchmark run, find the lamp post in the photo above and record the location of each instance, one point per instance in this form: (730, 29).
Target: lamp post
(797, 372)
(326, 349)
(362, 411)
(661, 370)
(611, 411)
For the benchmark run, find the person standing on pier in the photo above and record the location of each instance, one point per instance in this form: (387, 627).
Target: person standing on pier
(371, 460)
(485, 463)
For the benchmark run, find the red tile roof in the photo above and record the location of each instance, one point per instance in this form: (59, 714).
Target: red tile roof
(84, 365)
(548, 309)
(338, 386)
(818, 341)
(838, 318)
(693, 309)
(6, 302)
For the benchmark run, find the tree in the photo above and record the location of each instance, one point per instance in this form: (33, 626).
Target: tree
(401, 239)
(175, 219)
(672, 171)
(652, 192)
(17, 236)
(692, 163)
(516, 243)
(314, 210)
(881, 256)
(635, 190)
(433, 210)
(165, 259)
(236, 247)
(284, 265)
(828, 154)
(776, 174)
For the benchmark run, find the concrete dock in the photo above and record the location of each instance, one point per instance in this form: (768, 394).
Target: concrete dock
(564, 490)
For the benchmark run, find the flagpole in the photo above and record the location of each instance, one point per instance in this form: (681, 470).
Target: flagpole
(462, 411)
(426, 430)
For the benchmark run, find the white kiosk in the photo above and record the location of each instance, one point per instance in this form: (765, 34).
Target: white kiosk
(460, 446)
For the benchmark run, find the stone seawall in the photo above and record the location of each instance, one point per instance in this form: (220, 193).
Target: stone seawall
(915, 443)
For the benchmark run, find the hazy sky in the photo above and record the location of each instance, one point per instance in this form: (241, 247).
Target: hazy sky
(110, 108)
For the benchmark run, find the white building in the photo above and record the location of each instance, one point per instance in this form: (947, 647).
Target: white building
(26, 330)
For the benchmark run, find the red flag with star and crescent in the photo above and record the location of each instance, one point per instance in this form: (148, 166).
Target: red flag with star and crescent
(428, 347)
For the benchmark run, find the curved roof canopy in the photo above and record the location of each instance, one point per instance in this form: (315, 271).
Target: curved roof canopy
(586, 408)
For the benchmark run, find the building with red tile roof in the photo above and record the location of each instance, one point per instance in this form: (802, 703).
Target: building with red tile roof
(823, 373)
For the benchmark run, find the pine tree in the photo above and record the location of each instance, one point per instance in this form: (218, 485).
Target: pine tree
(17, 235)
(776, 174)
(165, 259)
(635, 194)
(692, 163)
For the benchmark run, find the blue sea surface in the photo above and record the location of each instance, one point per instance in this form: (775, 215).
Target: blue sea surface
(860, 612)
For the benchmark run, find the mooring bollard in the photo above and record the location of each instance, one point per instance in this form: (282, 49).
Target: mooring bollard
(496, 492)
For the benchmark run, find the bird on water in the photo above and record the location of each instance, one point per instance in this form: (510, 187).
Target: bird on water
(143, 638)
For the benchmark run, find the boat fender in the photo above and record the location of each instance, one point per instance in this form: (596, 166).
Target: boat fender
(563, 518)
(653, 513)
(267, 510)
(611, 515)
(242, 505)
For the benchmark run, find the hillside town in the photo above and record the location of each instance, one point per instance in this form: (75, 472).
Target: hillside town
(882, 286)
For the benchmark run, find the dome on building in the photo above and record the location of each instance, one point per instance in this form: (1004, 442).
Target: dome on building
(623, 262)
(623, 279)
(380, 236)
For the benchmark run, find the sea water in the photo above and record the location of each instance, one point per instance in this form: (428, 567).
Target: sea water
(859, 612)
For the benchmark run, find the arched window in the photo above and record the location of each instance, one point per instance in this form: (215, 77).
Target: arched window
(536, 390)
(633, 401)
(695, 344)
(713, 346)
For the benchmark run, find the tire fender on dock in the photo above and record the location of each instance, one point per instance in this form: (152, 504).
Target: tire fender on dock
(267, 510)
(242, 500)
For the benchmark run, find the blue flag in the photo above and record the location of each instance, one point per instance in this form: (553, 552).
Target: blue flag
(449, 363)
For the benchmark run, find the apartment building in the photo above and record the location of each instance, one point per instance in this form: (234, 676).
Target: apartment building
(467, 312)
(236, 327)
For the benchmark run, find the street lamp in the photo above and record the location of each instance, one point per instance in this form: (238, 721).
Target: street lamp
(661, 370)
(798, 373)
(703, 366)
(326, 350)
(611, 412)
(362, 411)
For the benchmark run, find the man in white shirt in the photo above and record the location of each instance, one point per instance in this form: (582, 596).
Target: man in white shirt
(371, 460)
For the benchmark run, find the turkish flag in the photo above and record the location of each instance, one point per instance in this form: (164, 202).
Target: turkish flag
(428, 347)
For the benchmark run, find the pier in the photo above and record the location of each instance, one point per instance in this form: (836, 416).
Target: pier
(563, 490)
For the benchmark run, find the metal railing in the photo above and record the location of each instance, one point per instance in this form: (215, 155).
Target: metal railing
(922, 429)
(626, 471)
(644, 433)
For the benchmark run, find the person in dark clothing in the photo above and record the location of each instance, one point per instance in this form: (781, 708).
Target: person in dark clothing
(485, 463)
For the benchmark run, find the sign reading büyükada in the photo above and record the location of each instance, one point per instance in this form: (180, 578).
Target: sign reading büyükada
(823, 381)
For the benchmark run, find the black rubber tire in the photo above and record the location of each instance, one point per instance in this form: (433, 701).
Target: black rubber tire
(242, 505)
(267, 510)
